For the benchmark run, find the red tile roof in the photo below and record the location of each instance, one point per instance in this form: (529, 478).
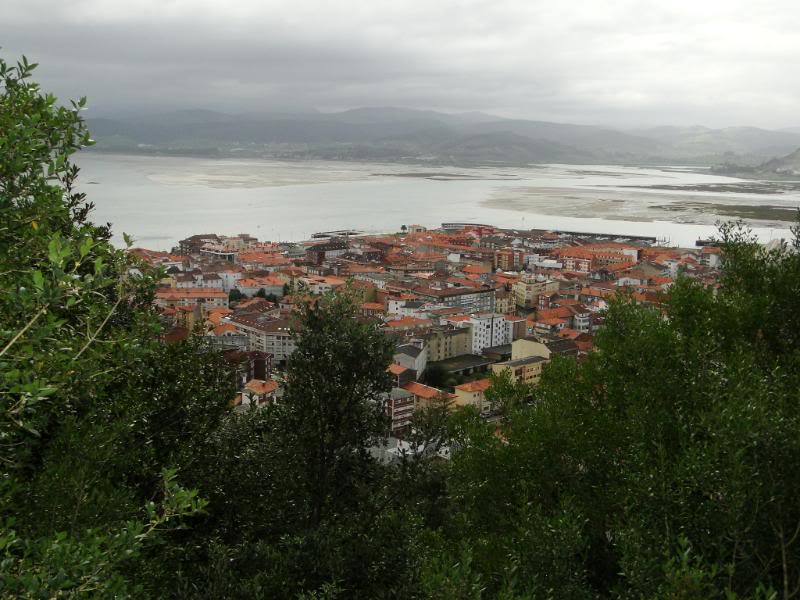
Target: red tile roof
(560, 312)
(553, 321)
(177, 294)
(260, 386)
(479, 385)
(407, 322)
(224, 328)
(424, 391)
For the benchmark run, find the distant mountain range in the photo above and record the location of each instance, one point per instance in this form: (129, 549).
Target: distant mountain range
(424, 136)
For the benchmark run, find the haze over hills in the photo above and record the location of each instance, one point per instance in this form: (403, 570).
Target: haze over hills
(786, 165)
(426, 136)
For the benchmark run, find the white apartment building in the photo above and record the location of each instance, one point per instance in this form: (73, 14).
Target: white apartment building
(488, 330)
(265, 334)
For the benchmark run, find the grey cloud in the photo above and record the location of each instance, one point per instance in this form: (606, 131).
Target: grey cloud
(621, 62)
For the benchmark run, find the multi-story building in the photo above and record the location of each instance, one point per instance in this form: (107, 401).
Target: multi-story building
(466, 298)
(240, 242)
(406, 324)
(192, 244)
(319, 285)
(197, 279)
(711, 256)
(528, 289)
(259, 392)
(581, 318)
(249, 286)
(219, 251)
(473, 394)
(542, 347)
(331, 249)
(412, 357)
(225, 336)
(425, 395)
(504, 302)
(549, 326)
(523, 370)
(400, 405)
(265, 334)
(400, 375)
(488, 330)
(373, 309)
(257, 260)
(444, 343)
(577, 259)
(516, 327)
(183, 281)
(407, 308)
(205, 297)
(212, 280)
(509, 260)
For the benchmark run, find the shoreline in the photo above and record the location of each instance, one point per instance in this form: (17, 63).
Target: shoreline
(690, 209)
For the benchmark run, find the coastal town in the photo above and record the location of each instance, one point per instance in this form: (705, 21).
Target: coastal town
(461, 302)
(373, 301)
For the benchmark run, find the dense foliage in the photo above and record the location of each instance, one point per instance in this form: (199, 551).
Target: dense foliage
(97, 416)
(664, 466)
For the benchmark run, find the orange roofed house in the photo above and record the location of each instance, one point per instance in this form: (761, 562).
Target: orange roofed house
(425, 395)
(259, 392)
(204, 297)
(473, 394)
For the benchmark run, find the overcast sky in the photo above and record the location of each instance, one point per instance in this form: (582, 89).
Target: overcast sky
(613, 62)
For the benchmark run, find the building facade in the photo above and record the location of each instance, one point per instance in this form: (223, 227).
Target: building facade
(265, 334)
(523, 370)
(528, 289)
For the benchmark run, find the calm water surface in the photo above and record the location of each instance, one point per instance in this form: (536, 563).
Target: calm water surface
(160, 200)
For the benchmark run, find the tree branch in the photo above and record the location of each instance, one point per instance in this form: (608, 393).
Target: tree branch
(97, 331)
(22, 331)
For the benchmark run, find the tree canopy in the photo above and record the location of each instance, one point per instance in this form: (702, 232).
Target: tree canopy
(665, 466)
(95, 420)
